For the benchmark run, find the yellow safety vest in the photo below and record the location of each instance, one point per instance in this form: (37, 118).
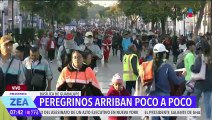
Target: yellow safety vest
(4, 115)
(128, 74)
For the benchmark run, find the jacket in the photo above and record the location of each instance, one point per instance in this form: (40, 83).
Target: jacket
(83, 80)
(113, 92)
(126, 43)
(49, 45)
(137, 44)
(204, 85)
(188, 62)
(166, 75)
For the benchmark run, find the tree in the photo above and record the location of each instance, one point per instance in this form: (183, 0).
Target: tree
(52, 9)
(82, 12)
(158, 10)
(95, 9)
(199, 20)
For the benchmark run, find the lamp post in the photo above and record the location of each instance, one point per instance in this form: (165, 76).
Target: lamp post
(175, 18)
(12, 16)
(20, 24)
(3, 21)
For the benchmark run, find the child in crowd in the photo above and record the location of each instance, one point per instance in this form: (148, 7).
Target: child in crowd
(117, 89)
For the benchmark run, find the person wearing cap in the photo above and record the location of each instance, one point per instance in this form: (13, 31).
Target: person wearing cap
(65, 50)
(117, 89)
(163, 76)
(12, 68)
(130, 68)
(88, 44)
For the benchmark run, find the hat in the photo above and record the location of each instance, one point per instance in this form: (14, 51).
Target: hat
(69, 36)
(6, 39)
(88, 34)
(117, 78)
(159, 48)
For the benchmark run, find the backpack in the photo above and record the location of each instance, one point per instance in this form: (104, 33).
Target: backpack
(180, 60)
(146, 73)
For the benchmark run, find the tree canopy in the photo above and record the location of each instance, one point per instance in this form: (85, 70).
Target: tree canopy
(158, 10)
(63, 12)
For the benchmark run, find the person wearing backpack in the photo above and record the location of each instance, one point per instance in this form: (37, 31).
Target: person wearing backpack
(159, 75)
(65, 50)
(89, 45)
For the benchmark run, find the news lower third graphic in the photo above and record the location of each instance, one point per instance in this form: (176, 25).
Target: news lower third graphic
(71, 103)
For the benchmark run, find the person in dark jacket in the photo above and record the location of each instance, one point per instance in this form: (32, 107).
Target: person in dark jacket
(175, 49)
(163, 75)
(204, 86)
(138, 45)
(117, 89)
(120, 38)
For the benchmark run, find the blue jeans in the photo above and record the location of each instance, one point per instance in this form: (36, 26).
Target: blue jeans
(206, 101)
(158, 93)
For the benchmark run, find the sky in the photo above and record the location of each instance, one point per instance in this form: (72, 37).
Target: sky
(104, 3)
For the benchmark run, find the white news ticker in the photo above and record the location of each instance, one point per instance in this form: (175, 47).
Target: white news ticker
(120, 111)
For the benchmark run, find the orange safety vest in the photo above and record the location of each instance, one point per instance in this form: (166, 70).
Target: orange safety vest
(146, 72)
(83, 77)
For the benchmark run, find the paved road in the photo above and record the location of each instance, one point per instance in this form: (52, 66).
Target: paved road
(105, 72)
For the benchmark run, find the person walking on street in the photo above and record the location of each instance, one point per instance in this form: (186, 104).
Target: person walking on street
(43, 45)
(77, 76)
(88, 44)
(11, 70)
(189, 61)
(51, 46)
(117, 89)
(130, 68)
(163, 75)
(41, 74)
(203, 86)
(106, 47)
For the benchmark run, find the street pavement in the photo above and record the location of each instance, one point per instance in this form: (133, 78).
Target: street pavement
(104, 76)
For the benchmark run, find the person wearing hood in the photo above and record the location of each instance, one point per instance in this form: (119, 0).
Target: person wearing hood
(65, 50)
(88, 44)
(117, 89)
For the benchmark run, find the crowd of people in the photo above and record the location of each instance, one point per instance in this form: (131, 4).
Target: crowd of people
(77, 54)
